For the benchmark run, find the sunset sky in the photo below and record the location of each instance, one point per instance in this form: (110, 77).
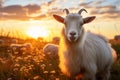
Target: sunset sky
(20, 15)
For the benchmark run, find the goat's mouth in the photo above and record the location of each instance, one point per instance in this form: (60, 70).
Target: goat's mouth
(72, 38)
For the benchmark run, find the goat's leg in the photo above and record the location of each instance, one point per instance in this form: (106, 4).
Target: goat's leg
(105, 75)
(90, 72)
(88, 76)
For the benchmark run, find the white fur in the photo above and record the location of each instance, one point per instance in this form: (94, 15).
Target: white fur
(51, 50)
(93, 54)
(88, 56)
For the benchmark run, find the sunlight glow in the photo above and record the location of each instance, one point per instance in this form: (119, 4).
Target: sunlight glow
(35, 32)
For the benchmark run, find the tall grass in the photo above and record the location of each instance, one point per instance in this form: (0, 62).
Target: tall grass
(30, 65)
(35, 65)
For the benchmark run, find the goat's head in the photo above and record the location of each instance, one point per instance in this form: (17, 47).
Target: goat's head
(73, 24)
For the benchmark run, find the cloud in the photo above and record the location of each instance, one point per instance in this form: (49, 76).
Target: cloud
(1, 3)
(104, 9)
(13, 17)
(32, 8)
(109, 11)
(18, 12)
(52, 2)
(48, 8)
(99, 8)
(86, 4)
(30, 11)
(14, 9)
(91, 4)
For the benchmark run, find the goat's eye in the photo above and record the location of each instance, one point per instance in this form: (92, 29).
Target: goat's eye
(81, 23)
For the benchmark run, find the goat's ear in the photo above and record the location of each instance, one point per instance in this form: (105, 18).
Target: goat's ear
(88, 19)
(59, 18)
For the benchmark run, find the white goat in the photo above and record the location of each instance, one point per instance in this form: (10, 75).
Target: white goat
(83, 54)
(51, 50)
(20, 48)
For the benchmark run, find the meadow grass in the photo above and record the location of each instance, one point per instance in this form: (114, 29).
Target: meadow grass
(35, 65)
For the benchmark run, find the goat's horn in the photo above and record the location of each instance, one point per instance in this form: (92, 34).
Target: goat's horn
(67, 11)
(81, 11)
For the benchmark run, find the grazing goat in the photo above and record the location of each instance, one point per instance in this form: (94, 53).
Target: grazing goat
(20, 48)
(83, 54)
(51, 50)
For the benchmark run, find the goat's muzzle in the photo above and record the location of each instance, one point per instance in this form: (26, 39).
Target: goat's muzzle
(72, 36)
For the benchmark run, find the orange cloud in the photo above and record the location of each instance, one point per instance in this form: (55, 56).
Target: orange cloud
(103, 11)
(18, 12)
(47, 9)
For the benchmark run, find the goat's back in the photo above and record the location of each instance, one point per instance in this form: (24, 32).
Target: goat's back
(98, 47)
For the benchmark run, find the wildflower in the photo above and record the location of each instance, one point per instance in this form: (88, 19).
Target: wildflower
(36, 77)
(22, 68)
(43, 66)
(17, 65)
(15, 69)
(45, 72)
(57, 79)
(50, 64)
(53, 72)
(41, 60)
(9, 79)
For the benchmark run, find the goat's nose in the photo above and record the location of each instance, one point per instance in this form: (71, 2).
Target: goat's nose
(72, 33)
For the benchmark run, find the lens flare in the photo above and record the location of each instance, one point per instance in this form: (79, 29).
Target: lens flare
(36, 31)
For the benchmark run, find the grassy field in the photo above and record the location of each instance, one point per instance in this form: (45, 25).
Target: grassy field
(34, 65)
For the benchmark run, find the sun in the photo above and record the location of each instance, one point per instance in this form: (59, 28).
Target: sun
(36, 31)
